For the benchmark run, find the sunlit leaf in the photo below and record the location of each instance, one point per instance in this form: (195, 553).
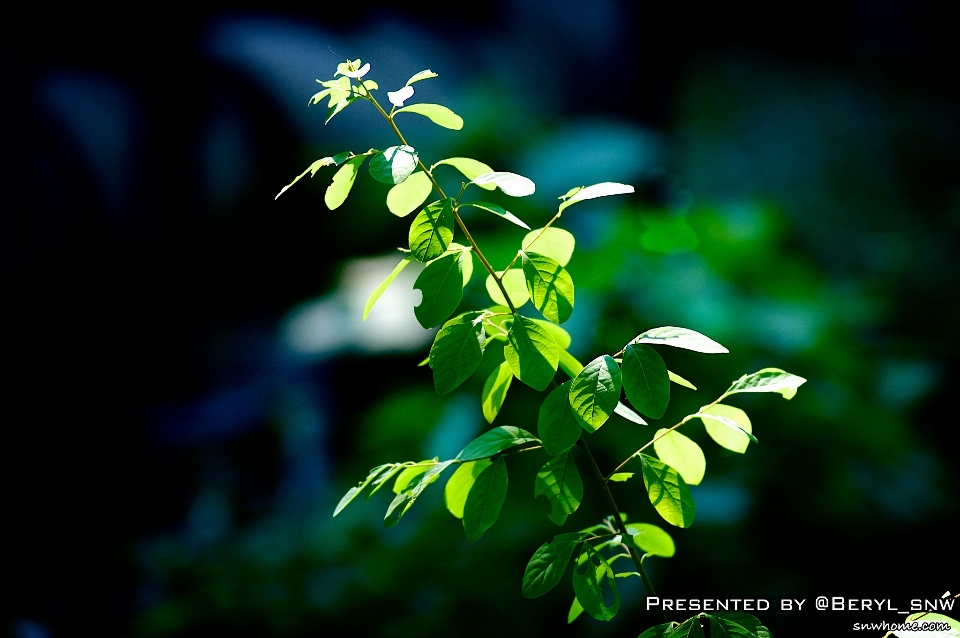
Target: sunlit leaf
(557, 426)
(339, 106)
(375, 295)
(559, 480)
(352, 69)
(436, 113)
(516, 285)
(597, 190)
(620, 477)
(682, 454)
(549, 286)
(384, 478)
(688, 629)
(312, 169)
(658, 631)
(628, 414)
(645, 380)
(406, 498)
(497, 210)
(595, 392)
(676, 378)
(394, 165)
(555, 243)
(354, 492)
(485, 499)
(494, 441)
(510, 183)
(532, 353)
(726, 436)
(668, 492)
(495, 391)
(409, 474)
(549, 563)
(680, 338)
(768, 380)
(407, 196)
(426, 74)
(721, 418)
(342, 182)
(441, 283)
(569, 363)
(457, 351)
(470, 168)
(746, 621)
(432, 231)
(459, 485)
(575, 610)
(561, 336)
(588, 580)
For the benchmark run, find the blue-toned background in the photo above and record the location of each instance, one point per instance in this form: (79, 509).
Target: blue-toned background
(190, 389)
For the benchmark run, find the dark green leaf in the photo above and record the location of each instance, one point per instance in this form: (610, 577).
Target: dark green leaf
(555, 243)
(342, 182)
(495, 441)
(689, 629)
(549, 285)
(441, 283)
(485, 500)
(680, 338)
(668, 492)
(510, 183)
(597, 190)
(558, 428)
(768, 380)
(354, 492)
(457, 351)
(496, 210)
(532, 353)
(436, 113)
(548, 564)
(595, 392)
(724, 627)
(495, 391)
(459, 485)
(681, 453)
(559, 480)
(645, 380)
(432, 231)
(658, 631)
(407, 196)
(379, 290)
(651, 539)
(588, 580)
(744, 620)
(394, 165)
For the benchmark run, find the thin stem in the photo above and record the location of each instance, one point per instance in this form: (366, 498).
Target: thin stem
(647, 583)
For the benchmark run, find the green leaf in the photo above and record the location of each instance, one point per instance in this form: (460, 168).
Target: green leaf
(494, 441)
(485, 500)
(436, 113)
(620, 477)
(407, 196)
(689, 629)
(561, 336)
(676, 378)
(375, 295)
(549, 563)
(459, 485)
(405, 499)
(645, 380)
(680, 338)
(555, 243)
(426, 74)
(569, 363)
(532, 353)
(384, 478)
(342, 182)
(557, 426)
(682, 454)
(658, 631)
(597, 190)
(595, 392)
(432, 231)
(394, 165)
(457, 351)
(668, 492)
(496, 210)
(559, 480)
(768, 380)
(495, 391)
(354, 492)
(312, 169)
(746, 621)
(442, 285)
(516, 285)
(549, 285)
(575, 610)
(588, 584)
(723, 627)
(718, 417)
(726, 436)
(337, 90)
(628, 414)
(651, 539)
(510, 183)
(339, 106)
(409, 474)
(470, 168)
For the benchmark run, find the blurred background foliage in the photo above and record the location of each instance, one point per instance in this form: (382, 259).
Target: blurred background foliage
(192, 389)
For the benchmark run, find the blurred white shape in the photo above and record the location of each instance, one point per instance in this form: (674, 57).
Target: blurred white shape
(332, 323)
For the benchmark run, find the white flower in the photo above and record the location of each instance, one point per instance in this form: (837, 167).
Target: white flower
(397, 98)
(351, 70)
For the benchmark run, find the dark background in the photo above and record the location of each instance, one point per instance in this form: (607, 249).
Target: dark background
(178, 434)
